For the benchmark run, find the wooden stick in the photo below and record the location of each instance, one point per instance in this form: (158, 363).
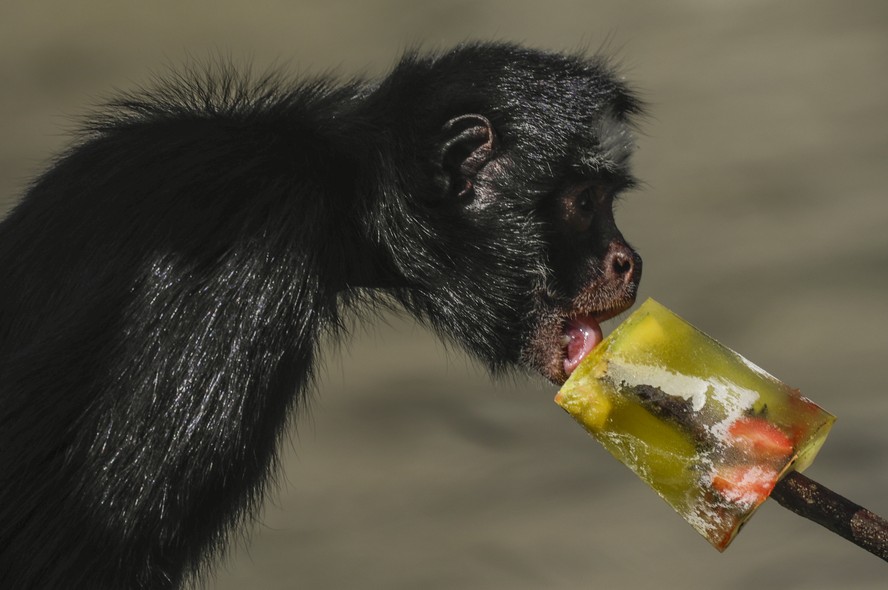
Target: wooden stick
(815, 502)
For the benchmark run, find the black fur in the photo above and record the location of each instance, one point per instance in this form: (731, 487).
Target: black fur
(166, 281)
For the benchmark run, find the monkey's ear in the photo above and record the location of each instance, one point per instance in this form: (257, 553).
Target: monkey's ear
(469, 144)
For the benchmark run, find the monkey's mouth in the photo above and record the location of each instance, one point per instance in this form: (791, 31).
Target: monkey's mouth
(564, 337)
(580, 335)
(567, 329)
(582, 332)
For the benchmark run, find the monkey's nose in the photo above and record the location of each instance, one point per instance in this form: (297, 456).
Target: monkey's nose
(622, 264)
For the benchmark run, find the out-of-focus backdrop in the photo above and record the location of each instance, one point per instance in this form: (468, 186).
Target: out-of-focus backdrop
(764, 220)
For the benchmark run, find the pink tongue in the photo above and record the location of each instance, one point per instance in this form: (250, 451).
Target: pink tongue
(584, 333)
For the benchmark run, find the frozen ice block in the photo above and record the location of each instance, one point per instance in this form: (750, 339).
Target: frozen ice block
(711, 432)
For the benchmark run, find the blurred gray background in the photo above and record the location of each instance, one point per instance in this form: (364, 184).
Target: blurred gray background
(763, 221)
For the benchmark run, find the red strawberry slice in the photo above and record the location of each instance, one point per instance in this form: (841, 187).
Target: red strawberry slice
(759, 438)
(748, 485)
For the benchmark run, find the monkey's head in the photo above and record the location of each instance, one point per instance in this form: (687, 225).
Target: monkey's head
(506, 235)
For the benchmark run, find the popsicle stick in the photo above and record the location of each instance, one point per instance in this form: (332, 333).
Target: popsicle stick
(809, 499)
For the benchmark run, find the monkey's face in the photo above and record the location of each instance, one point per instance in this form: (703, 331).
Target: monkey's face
(529, 259)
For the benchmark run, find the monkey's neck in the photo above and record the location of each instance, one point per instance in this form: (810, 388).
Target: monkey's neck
(194, 260)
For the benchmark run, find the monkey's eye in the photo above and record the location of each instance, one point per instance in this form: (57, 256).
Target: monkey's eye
(579, 207)
(586, 201)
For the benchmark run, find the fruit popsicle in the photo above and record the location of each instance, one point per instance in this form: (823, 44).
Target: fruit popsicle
(708, 430)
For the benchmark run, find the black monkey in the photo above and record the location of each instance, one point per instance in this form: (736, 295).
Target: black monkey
(166, 281)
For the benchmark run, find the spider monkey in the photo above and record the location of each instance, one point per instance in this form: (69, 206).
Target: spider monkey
(166, 281)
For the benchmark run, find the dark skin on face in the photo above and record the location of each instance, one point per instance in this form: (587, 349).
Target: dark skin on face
(595, 268)
(167, 280)
(595, 275)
